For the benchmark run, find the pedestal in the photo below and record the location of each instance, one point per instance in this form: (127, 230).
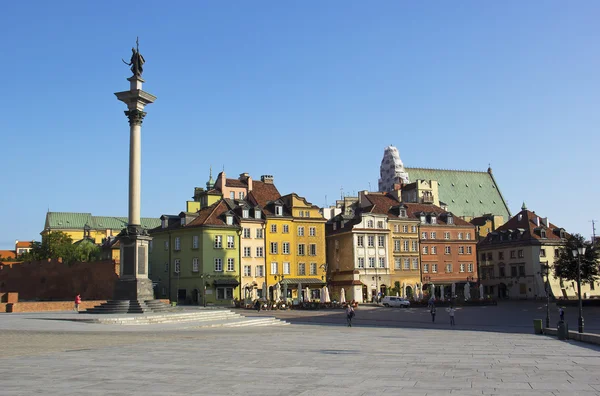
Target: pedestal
(134, 283)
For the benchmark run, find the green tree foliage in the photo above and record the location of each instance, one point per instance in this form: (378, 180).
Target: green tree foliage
(565, 266)
(57, 244)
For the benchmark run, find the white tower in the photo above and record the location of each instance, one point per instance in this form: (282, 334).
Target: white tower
(391, 170)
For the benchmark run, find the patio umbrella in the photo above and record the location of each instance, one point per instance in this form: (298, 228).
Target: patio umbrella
(277, 293)
(481, 292)
(453, 290)
(322, 296)
(342, 296)
(254, 294)
(467, 291)
(307, 294)
(300, 292)
(432, 291)
(441, 292)
(327, 299)
(416, 292)
(285, 291)
(265, 292)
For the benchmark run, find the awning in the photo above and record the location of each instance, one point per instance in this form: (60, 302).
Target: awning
(226, 282)
(303, 281)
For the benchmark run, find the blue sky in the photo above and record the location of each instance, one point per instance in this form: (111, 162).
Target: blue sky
(310, 92)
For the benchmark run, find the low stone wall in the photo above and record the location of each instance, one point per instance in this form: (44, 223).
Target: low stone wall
(48, 306)
(574, 335)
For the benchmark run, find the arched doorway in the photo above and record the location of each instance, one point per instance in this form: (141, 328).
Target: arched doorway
(409, 293)
(502, 291)
(195, 296)
(365, 293)
(383, 289)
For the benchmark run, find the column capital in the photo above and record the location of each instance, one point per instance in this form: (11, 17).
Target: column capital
(135, 116)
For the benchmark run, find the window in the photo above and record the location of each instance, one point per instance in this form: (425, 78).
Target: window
(402, 212)
(301, 213)
(218, 241)
(468, 236)
(312, 249)
(380, 224)
(434, 250)
(245, 213)
(177, 266)
(370, 224)
(166, 267)
(556, 254)
(433, 220)
(460, 235)
(433, 267)
(462, 267)
(482, 256)
(177, 243)
(396, 245)
(542, 252)
(446, 235)
(306, 213)
(301, 269)
(461, 250)
(404, 228)
(274, 248)
(413, 229)
(490, 256)
(447, 250)
(285, 247)
(232, 194)
(521, 270)
(337, 245)
(423, 235)
(247, 252)
(274, 268)
(406, 243)
(422, 219)
(425, 267)
(224, 293)
(312, 231)
(360, 241)
(513, 271)
(278, 210)
(361, 262)
(301, 249)
(371, 262)
(230, 264)
(449, 220)
(256, 213)
(381, 262)
(218, 265)
(469, 249)
(286, 229)
(396, 228)
(543, 233)
(260, 271)
(415, 263)
(397, 263)
(286, 268)
(521, 255)
(425, 250)
(432, 235)
(500, 255)
(241, 195)
(406, 263)
(230, 242)
(470, 266)
(259, 233)
(415, 246)
(313, 268)
(229, 220)
(512, 254)
(246, 232)
(381, 241)
(273, 228)
(501, 272)
(247, 270)
(448, 268)
(195, 264)
(370, 241)
(259, 251)
(300, 231)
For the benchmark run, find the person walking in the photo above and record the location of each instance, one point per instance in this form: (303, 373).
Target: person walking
(257, 305)
(349, 314)
(451, 311)
(561, 313)
(77, 301)
(432, 311)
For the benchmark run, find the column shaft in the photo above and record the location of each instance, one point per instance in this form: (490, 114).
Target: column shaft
(135, 165)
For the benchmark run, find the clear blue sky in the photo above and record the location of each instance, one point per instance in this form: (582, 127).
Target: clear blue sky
(310, 92)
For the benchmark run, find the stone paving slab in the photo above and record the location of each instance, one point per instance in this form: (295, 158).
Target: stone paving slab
(290, 360)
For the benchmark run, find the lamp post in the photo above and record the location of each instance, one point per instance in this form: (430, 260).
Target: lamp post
(546, 271)
(204, 286)
(580, 251)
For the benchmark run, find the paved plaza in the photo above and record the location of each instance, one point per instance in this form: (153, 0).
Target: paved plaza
(51, 355)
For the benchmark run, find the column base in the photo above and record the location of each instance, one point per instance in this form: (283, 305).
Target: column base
(134, 289)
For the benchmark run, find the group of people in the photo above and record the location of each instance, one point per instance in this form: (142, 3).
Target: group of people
(451, 311)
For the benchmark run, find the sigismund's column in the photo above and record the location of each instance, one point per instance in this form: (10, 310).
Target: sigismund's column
(134, 283)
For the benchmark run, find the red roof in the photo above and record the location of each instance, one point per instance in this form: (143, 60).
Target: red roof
(24, 244)
(528, 222)
(8, 254)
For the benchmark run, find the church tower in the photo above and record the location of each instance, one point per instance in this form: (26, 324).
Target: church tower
(392, 170)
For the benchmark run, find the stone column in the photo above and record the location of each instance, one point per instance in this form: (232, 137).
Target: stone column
(135, 162)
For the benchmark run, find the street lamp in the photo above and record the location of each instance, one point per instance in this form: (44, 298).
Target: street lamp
(204, 285)
(580, 251)
(546, 271)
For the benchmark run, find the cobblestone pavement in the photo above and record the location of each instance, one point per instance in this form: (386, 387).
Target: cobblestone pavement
(306, 359)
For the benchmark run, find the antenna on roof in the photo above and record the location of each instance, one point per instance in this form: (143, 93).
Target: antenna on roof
(341, 192)
(369, 186)
(593, 230)
(325, 200)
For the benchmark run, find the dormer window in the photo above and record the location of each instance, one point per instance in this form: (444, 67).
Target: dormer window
(245, 213)
(402, 213)
(278, 210)
(164, 223)
(229, 219)
(370, 224)
(334, 227)
(562, 234)
(257, 213)
(433, 219)
(423, 219)
(543, 233)
(183, 221)
(450, 219)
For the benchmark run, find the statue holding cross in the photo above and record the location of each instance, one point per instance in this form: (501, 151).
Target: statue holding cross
(137, 60)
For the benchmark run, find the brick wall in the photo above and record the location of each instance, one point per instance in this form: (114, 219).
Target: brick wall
(47, 306)
(56, 281)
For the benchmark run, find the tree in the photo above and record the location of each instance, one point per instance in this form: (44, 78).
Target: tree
(565, 266)
(86, 250)
(54, 245)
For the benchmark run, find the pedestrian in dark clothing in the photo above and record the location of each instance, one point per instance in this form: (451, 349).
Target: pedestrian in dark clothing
(257, 305)
(432, 311)
(561, 313)
(349, 315)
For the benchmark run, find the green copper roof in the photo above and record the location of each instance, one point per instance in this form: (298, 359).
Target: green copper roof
(68, 220)
(466, 193)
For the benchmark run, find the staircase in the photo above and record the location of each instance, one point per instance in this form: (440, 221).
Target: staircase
(131, 307)
(204, 318)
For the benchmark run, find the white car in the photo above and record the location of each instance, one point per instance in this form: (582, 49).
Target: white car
(389, 301)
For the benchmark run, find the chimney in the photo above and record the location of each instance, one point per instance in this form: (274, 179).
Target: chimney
(267, 179)
(537, 221)
(545, 222)
(246, 177)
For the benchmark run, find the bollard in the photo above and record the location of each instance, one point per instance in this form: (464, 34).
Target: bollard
(560, 330)
(537, 326)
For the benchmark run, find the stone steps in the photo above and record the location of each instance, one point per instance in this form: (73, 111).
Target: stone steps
(174, 317)
(131, 307)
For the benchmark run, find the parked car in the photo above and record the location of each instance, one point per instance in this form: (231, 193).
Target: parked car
(389, 301)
